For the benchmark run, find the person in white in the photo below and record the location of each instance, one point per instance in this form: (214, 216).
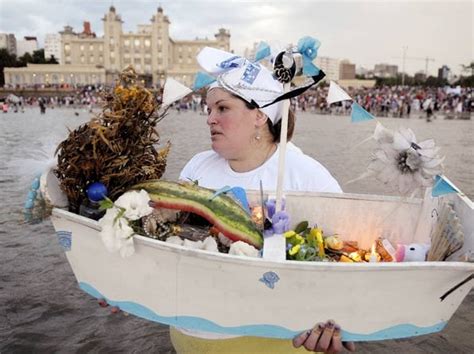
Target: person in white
(245, 146)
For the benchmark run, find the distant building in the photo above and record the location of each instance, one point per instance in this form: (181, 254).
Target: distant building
(347, 71)
(330, 66)
(420, 76)
(52, 46)
(8, 41)
(385, 70)
(249, 53)
(150, 50)
(26, 45)
(444, 73)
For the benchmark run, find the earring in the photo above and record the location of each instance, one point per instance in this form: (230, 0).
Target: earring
(257, 136)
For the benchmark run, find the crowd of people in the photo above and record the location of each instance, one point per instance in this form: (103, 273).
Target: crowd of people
(385, 101)
(394, 101)
(82, 97)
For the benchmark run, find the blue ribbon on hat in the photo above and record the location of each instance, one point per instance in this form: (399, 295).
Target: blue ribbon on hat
(263, 51)
(308, 48)
(202, 79)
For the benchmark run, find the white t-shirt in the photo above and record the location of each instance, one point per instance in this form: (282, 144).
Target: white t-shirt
(302, 173)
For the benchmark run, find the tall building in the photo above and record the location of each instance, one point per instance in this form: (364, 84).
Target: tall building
(52, 46)
(8, 41)
(347, 71)
(150, 50)
(330, 66)
(385, 70)
(26, 45)
(444, 73)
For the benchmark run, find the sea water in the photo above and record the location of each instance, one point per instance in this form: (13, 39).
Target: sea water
(41, 306)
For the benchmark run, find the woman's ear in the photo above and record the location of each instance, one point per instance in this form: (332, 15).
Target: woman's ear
(261, 119)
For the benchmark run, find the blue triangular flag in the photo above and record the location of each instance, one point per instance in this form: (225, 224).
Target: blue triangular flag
(224, 189)
(263, 51)
(202, 79)
(241, 196)
(442, 186)
(359, 114)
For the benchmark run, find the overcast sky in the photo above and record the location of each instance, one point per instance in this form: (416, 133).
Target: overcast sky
(365, 32)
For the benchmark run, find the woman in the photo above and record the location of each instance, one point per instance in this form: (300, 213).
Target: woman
(245, 134)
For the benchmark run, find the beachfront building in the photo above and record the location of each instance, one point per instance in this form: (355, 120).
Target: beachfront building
(347, 70)
(150, 50)
(385, 70)
(8, 42)
(52, 46)
(330, 66)
(26, 45)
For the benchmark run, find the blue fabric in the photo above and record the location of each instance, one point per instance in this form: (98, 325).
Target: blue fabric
(263, 51)
(359, 114)
(308, 48)
(238, 192)
(36, 183)
(241, 195)
(441, 187)
(201, 80)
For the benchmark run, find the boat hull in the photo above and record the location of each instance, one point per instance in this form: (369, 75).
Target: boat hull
(220, 293)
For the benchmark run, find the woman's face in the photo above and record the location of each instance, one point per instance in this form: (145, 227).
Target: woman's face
(232, 124)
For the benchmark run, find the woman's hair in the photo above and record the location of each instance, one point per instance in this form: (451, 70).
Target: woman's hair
(275, 129)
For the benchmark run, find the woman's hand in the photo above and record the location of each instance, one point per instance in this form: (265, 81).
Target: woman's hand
(324, 337)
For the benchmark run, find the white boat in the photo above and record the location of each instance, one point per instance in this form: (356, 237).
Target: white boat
(221, 293)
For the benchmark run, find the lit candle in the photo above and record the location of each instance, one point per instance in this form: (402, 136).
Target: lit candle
(257, 215)
(373, 255)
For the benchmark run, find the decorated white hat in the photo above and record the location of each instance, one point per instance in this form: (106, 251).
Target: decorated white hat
(255, 83)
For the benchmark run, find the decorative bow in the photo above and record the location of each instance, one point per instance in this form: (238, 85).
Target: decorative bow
(308, 48)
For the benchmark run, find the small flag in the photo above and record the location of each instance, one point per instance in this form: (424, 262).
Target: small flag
(359, 114)
(238, 192)
(263, 51)
(201, 80)
(173, 91)
(442, 186)
(336, 93)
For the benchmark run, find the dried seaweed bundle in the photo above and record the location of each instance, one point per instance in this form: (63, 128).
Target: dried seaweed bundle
(116, 147)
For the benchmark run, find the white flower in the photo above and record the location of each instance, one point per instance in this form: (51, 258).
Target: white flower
(127, 248)
(123, 231)
(241, 248)
(108, 230)
(116, 233)
(135, 204)
(404, 163)
(210, 244)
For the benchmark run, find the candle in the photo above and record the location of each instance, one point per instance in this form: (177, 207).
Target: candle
(257, 215)
(373, 255)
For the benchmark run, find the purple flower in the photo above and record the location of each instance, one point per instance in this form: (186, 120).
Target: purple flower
(281, 222)
(270, 204)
